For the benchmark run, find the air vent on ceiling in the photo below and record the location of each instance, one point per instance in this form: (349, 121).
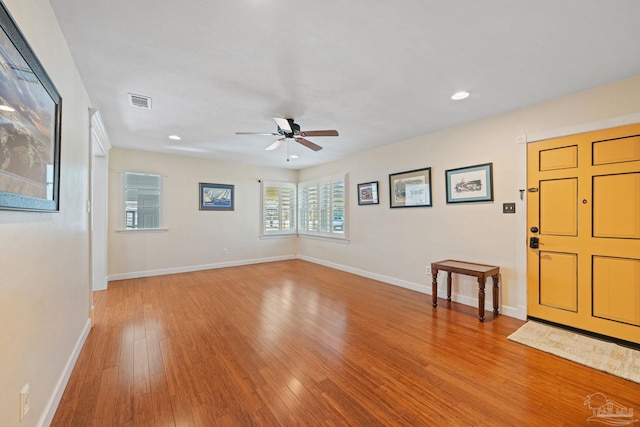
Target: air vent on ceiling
(139, 101)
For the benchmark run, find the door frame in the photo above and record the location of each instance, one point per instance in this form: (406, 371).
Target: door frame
(522, 141)
(100, 147)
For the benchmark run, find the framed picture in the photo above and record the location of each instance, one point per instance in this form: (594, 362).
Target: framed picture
(30, 117)
(470, 184)
(216, 197)
(368, 193)
(410, 189)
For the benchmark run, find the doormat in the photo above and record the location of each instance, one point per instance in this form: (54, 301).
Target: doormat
(605, 356)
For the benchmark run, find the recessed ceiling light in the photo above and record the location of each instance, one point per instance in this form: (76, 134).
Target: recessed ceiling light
(6, 108)
(175, 137)
(459, 95)
(294, 156)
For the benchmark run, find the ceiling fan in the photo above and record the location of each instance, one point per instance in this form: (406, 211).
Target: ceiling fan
(287, 128)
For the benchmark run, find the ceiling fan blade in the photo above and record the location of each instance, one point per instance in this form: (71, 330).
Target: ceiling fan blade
(257, 133)
(283, 124)
(319, 133)
(275, 145)
(308, 144)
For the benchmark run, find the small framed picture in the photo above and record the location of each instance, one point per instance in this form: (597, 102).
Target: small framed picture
(368, 193)
(216, 197)
(470, 184)
(410, 189)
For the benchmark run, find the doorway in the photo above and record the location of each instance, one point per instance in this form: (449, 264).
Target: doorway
(99, 177)
(583, 225)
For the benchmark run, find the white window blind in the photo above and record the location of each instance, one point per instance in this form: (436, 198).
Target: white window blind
(279, 208)
(321, 207)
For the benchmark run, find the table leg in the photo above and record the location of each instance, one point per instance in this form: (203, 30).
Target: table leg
(448, 286)
(495, 294)
(434, 288)
(481, 283)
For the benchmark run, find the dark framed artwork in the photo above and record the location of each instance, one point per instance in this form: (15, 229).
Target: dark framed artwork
(30, 124)
(470, 184)
(410, 189)
(368, 193)
(216, 197)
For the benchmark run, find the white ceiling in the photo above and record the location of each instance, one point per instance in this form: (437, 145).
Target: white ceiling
(377, 71)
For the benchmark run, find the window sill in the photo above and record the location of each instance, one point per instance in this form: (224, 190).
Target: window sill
(278, 236)
(141, 230)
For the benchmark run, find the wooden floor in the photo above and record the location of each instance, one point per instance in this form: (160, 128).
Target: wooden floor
(293, 343)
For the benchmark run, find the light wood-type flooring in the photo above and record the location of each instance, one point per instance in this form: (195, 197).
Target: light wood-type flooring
(297, 344)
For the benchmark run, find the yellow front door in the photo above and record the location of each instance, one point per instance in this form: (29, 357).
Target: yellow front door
(584, 217)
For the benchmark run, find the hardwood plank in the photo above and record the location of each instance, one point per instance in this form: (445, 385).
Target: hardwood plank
(295, 343)
(107, 397)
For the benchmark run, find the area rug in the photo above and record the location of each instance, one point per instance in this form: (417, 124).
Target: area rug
(604, 356)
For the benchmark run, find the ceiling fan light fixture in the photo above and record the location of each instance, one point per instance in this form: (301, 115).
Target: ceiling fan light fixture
(460, 95)
(288, 129)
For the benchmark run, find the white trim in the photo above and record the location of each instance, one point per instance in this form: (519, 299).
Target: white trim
(98, 132)
(278, 236)
(54, 400)
(425, 289)
(188, 269)
(139, 230)
(521, 230)
(612, 122)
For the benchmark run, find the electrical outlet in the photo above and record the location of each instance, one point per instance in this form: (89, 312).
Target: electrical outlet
(225, 251)
(428, 269)
(24, 401)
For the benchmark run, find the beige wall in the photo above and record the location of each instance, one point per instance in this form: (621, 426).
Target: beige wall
(392, 245)
(396, 245)
(194, 239)
(44, 276)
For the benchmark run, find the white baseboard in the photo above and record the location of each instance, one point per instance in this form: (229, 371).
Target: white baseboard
(54, 400)
(379, 277)
(187, 269)
(518, 313)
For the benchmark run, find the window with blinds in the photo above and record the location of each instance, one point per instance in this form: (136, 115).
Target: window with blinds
(279, 208)
(321, 207)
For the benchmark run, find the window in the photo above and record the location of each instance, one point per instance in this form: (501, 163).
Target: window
(141, 200)
(279, 208)
(321, 207)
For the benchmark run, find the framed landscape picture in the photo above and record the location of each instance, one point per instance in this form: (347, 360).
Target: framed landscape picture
(30, 123)
(470, 184)
(410, 189)
(368, 193)
(216, 197)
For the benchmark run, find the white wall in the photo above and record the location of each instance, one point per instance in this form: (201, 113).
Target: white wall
(194, 239)
(396, 245)
(44, 277)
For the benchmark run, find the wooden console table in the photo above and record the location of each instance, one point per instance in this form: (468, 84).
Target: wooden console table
(481, 271)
